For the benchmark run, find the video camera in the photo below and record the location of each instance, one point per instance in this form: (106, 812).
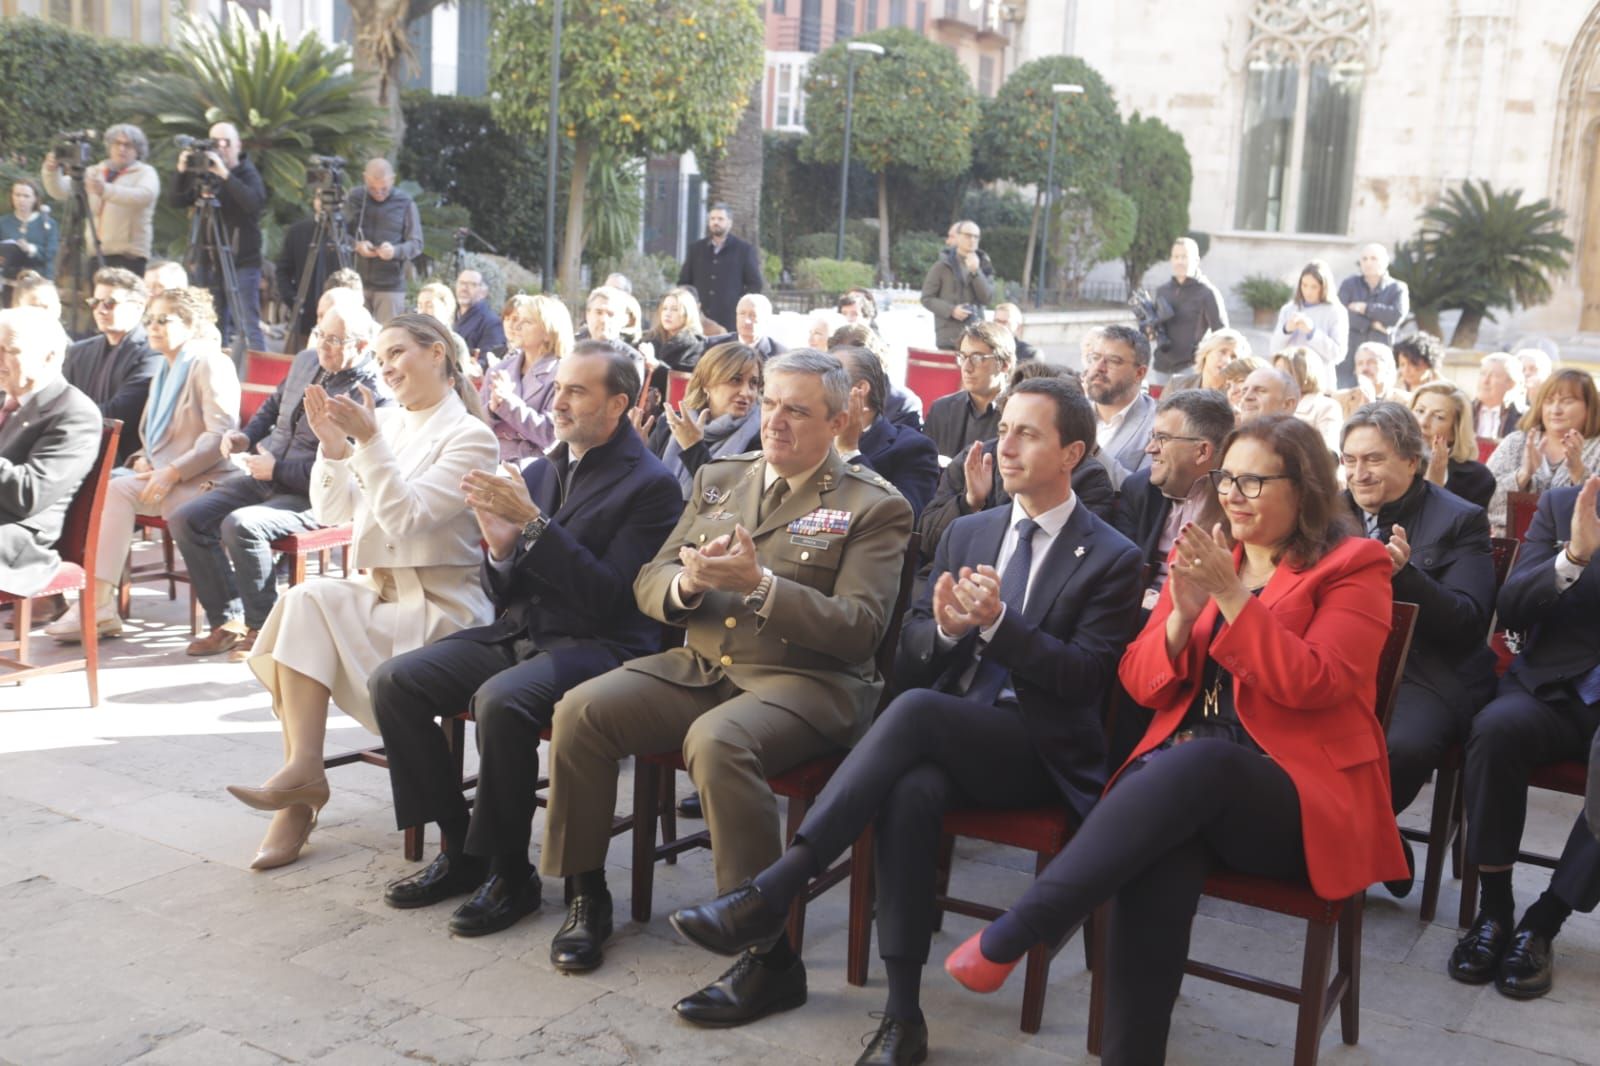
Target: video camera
(325, 178)
(74, 151)
(195, 161)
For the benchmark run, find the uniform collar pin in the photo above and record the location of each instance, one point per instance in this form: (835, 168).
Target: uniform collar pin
(1080, 551)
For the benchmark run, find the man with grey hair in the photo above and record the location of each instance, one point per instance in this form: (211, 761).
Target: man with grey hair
(1268, 391)
(387, 230)
(722, 268)
(49, 440)
(1197, 309)
(1377, 303)
(226, 534)
(783, 571)
(752, 320)
(1439, 546)
(241, 201)
(122, 192)
(1493, 414)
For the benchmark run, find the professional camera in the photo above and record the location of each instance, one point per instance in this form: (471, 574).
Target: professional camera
(325, 177)
(1153, 313)
(74, 151)
(195, 162)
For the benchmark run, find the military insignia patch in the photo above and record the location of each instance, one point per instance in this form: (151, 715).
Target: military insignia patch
(822, 520)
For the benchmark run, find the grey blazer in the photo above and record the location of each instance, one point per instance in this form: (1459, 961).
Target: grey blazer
(1125, 449)
(47, 448)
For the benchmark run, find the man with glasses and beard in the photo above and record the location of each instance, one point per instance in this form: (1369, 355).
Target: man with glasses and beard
(1114, 369)
(114, 367)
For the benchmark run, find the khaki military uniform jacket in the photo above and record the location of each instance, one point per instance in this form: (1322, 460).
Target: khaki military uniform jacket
(811, 648)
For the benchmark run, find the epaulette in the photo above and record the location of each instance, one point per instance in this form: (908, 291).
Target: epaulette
(742, 456)
(870, 476)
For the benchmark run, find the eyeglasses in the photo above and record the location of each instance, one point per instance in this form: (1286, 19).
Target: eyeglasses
(1161, 440)
(108, 302)
(161, 320)
(1113, 362)
(320, 338)
(1249, 484)
(974, 359)
(966, 233)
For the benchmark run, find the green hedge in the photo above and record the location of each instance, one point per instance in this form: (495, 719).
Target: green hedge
(832, 275)
(823, 245)
(455, 149)
(913, 255)
(1007, 247)
(57, 79)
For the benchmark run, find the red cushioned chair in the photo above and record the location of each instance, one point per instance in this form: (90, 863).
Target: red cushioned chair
(80, 532)
(1486, 447)
(1520, 508)
(800, 785)
(320, 542)
(931, 374)
(1327, 921)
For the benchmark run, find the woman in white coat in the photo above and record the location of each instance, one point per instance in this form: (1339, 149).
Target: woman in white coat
(396, 473)
(1315, 318)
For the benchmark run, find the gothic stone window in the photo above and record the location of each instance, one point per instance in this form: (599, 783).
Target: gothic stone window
(1304, 66)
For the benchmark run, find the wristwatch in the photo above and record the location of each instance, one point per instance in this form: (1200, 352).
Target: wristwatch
(532, 531)
(759, 594)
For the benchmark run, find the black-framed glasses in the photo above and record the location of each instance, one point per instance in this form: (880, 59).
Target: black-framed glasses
(1161, 440)
(1249, 484)
(972, 359)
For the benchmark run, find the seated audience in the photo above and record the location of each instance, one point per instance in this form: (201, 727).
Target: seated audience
(720, 414)
(790, 678)
(1439, 549)
(904, 407)
(49, 441)
(1556, 443)
(858, 306)
(820, 325)
(676, 336)
(395, 473)
(1545, 711)
(1420, 358)
(1175, 490)
(1445, 414)
(905, 457)
(1218, 348)
(1237, 372)
(1268, 391)
(1313, 378)
(752, 322)
(114, 368)
(32, 289)
(1493, 414)
(1114, 369)
(1535, 367)
(436, 300)
(1314, 318)
(164, 275)
(565, 540)
(973, 412)
(476, 323)
(1259, 661)
(226, 534)
(1008, 658)
(518, 389)
(1376, 374)
(193, 403)
(1009, 315)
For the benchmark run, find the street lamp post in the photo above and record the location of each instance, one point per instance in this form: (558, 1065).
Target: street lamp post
(552, 150)
(853, 49)
(1056, 92)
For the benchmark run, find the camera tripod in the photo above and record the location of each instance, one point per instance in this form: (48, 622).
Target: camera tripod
(209, 252)
(75, 269)
(328, 234)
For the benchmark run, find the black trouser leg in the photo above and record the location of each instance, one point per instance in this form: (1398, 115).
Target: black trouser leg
(1576, 880)
(409, 693)
(1516, 733)
(1423, 728)
(510, 709)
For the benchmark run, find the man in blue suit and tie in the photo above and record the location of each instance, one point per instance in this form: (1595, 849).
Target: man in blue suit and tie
(1008, 656)
(565, 541)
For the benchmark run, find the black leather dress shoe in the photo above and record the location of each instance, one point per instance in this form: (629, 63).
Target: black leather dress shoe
(441, 879)
(1400, 887)
(748, 991)
(1477, 955)
(579, 945)
(734, 922)
(498, 904)
(689, 806)
(1527, 970)
(896, 1043)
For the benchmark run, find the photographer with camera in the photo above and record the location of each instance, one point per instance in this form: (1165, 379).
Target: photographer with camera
(218, 165)
(122, 191)
(387, 229)
(957, 289)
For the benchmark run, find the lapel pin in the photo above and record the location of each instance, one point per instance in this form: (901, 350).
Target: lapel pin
(1080, 551)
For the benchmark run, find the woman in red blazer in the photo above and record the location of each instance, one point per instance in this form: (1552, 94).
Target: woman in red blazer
(1264, 755)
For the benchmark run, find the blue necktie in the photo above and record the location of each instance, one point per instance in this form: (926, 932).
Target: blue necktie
(992, 678)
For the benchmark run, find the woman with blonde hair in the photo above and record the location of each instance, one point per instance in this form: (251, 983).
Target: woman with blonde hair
(1314, 318)
(395, 473)
(518, 390)
(720, 413)
(1219, 348)
(1445, 414)
(1556, 443)
(193, 403)
(1316, 408)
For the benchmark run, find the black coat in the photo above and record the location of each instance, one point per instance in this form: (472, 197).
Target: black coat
(1561, 628)
(47, 448)
(906, 459)
(953, 425)
(574, 586)
(1470, 480)
(294, 258)
(722, 278)
(120, 389)
(1141, 514)
(241, 199)
(1062, 649)
(481, 328)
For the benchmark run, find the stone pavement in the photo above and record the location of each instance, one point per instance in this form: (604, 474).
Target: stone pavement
(132, 931)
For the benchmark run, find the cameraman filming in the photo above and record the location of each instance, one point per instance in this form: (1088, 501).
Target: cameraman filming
(122, 192)
(241, 199)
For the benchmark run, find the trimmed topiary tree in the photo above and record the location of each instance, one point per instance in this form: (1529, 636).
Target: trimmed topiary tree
(1157, 175)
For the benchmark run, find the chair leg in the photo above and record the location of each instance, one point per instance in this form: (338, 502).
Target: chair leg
(859, 943)
(22, 616)
(1098, 931)
(413, 845)
(344, 560)
(1313, 992)
(297, 569)
(91, 645)
(646, 800)
(1350, 965)
(1440, 829)
(941, 877)
(324, 561)
(194, 613)
(797, 909)
(124, 597)
(669, 810)
(455, 739)
(1458, 851)
(1037, 972)
(170, 563)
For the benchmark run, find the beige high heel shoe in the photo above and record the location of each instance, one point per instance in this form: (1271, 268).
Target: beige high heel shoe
(271, 858)
(313, 794)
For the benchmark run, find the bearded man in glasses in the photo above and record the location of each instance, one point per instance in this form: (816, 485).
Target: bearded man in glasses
(113, 368)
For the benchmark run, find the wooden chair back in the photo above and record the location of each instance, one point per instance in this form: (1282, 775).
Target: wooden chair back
(81, 530)
(1392, 660)
(1520, 507)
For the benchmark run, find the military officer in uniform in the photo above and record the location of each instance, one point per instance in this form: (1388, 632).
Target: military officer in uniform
(783, 570)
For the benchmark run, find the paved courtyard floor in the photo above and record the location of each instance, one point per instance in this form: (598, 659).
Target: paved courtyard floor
(132, 931)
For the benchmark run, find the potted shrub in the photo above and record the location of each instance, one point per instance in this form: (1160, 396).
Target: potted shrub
(1265, 295)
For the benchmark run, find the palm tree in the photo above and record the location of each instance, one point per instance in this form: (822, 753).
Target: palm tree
(735, 172)
(1499, 251)
(383, 50)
